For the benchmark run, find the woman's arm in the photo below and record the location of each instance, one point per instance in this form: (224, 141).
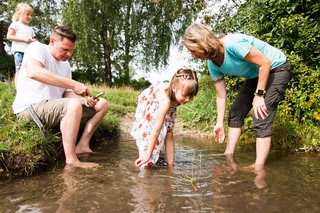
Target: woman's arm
(258, 58)
(221, 99)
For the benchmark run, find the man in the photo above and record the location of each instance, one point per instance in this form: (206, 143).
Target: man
(45, 83)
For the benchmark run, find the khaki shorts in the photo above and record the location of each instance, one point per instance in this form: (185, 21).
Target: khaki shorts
(52, 111)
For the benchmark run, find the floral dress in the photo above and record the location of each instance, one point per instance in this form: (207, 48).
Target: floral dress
(147, 106)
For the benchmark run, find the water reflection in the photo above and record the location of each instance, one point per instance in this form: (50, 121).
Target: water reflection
(78, 189)
(71, 182)
(151, 193)
(288, 183)
(259, 180)
(258, 170)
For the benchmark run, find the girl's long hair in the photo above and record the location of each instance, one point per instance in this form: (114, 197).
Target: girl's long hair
(187, 80)
(20, 9)
(199, 37)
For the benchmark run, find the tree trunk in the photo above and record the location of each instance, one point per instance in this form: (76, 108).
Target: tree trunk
(2, 50)
(127, 57)
(107, 69)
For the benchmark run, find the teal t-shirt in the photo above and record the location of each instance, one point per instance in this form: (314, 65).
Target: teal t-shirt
(236, 47)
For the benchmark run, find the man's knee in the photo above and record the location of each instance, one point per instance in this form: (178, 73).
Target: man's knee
(102, 105)
(74, 105)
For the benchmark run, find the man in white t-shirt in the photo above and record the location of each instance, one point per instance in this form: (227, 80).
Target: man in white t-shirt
(45, 83)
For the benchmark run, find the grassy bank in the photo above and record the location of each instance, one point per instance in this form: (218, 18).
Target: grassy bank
(23, 150)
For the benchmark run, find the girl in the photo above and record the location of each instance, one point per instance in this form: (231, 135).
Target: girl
(20, 34)
(155, 115)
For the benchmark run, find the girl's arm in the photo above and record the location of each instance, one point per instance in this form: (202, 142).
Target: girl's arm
(157, 126)
(11, 35)
(221, 99)
(258, 58)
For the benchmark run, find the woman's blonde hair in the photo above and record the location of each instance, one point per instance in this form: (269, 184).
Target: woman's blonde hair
(199, 37)
(20, 9)
(187, 80)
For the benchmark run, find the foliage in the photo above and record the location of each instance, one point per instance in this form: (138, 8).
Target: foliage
(292, 26)
(114, 34)
(7, 65)
(201, 111)
(139, 84)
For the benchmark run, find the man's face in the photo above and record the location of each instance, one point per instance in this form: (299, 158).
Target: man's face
(62, 50)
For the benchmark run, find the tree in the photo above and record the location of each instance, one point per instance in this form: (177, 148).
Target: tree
(3, 26)
(113, 34)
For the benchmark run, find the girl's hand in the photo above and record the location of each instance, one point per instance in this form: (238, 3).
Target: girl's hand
(259, 107)
(141, 160)
(218, 134)
(29, 40)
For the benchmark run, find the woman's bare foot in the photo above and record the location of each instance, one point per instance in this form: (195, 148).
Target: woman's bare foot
(258, 170)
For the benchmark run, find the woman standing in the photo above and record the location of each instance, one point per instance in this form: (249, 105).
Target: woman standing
(267, 74)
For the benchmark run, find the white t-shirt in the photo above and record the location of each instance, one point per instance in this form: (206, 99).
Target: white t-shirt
(30, 91)
(23, 31)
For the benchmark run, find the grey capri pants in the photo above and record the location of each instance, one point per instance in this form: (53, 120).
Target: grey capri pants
(278, 80)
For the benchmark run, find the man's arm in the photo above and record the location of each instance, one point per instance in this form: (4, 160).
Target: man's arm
(36, 71)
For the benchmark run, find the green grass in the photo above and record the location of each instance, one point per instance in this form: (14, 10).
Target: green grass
(23, 150)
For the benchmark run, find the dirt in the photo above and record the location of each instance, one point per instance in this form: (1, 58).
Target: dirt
(179, 129)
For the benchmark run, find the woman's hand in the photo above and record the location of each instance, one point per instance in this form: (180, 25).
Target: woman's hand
(218, 134)
(259, 107)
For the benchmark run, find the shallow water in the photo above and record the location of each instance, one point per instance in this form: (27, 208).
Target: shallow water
(289, 183)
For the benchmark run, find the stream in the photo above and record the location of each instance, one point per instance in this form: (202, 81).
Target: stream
(202, 180)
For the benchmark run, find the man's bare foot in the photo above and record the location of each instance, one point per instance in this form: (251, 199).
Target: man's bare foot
(83, 150)
(217, 154)
(83, 164)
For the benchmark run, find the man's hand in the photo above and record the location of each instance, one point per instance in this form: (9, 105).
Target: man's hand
(91, 101)
(81, 89)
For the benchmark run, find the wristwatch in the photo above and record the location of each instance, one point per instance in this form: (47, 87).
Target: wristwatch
(260, 92)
